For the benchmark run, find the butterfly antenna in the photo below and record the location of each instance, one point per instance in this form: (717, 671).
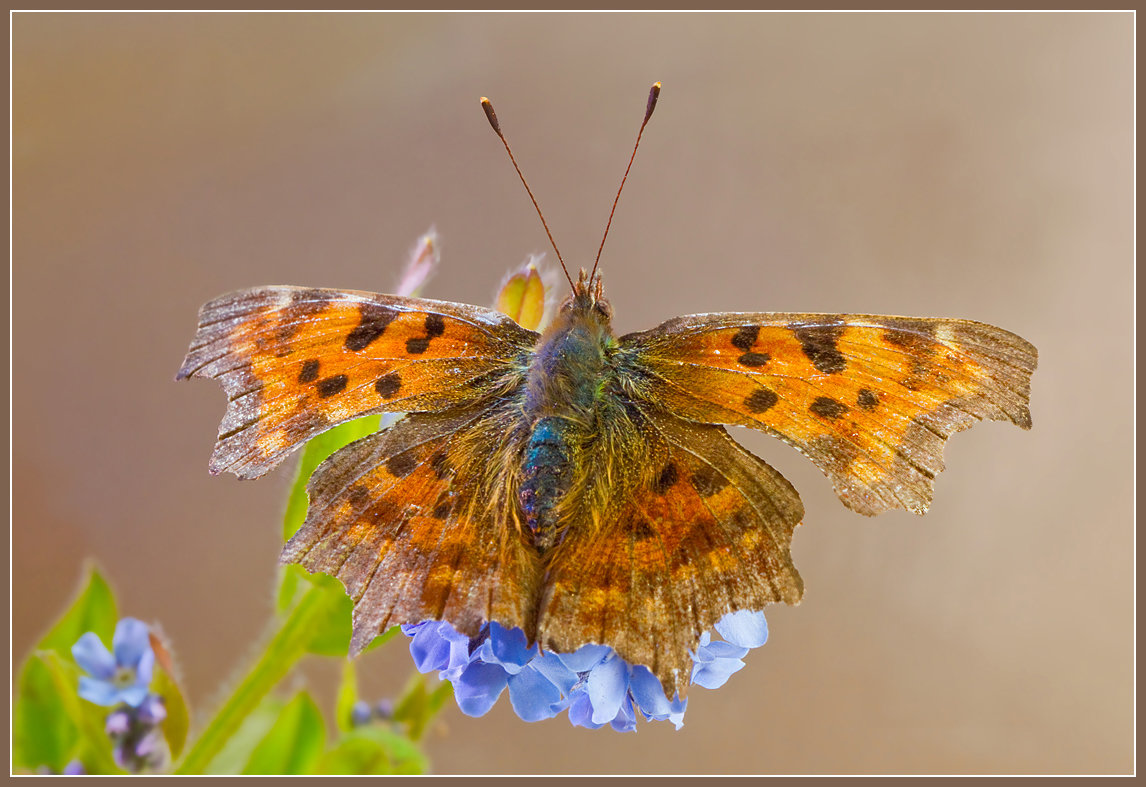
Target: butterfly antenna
(492, 117)
(654, 92)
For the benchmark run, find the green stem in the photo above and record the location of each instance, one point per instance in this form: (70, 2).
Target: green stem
(287, 645)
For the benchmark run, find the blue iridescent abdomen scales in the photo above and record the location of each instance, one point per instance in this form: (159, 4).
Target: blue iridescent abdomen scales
(548, 473)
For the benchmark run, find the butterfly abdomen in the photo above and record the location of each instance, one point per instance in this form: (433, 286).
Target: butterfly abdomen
(547, 476)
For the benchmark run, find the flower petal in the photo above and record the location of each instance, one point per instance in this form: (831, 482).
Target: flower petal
(607, 686)
(133, 695)
(676, 714)
(553, 668)
(360, 713)
(506, 647)
(586, 657)
(130, 642)
(99, 692)
(626, 719)
(581, 712)
(477, 688)
(144, 668)
(118, 722)
(648, 693)
(436, 646)
(720, 650)
(532, 695)
(715, 674)
(745, 628)
(93, 656)
(152, 710)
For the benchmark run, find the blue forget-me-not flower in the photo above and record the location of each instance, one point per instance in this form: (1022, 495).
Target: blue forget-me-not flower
(121, 675)
(594, 684)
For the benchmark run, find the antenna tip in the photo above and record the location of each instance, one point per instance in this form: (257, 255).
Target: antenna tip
(490, 116)
(654, 92)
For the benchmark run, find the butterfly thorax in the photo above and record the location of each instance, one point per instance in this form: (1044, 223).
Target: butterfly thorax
(568, 371)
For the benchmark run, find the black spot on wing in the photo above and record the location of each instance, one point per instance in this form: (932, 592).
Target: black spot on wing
(827, 407)
(667, 478)
(388, 385)
(867, 400)
(754, 359)
(372, 323)
(819, 343)
(643, 531)
(707, 481)
(435, 326)
(417, 345)
(332, 385)
(309, 371)
(358, 495)
(401, 465)
(745, 338)
(761, 400)
(440, 464)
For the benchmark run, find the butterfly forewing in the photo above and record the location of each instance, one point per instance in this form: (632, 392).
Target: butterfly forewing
(871, 400)
(295, 362)
(704, 530)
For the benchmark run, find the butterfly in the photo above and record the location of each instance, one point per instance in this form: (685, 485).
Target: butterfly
(576, 485)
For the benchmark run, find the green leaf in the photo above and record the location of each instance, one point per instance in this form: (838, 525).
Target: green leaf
(294, 743)
(439, 696)
(255, 726)
(346, 697)
(412, 707)
(178, 719)
(332, 634)
(42, 733)
(292, 580)
(93, 745)
(93, 609)
(418, 705)
(373, 750)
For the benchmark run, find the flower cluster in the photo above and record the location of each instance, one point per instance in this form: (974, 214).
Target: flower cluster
(121, 677)
(594, 684)
(137, 740)
(363, 713)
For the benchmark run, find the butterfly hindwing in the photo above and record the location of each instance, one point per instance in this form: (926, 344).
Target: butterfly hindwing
(871, 400)
(704, 529)
(295, 362)
(410, 521)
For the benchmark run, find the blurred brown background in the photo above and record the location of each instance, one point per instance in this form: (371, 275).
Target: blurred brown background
(962, 165)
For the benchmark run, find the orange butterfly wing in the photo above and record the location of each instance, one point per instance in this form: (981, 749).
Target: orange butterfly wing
(414, 522)
(295, 362)
(698, 528)
(870, 399)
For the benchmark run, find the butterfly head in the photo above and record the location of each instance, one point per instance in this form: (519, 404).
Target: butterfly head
(587, 299)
